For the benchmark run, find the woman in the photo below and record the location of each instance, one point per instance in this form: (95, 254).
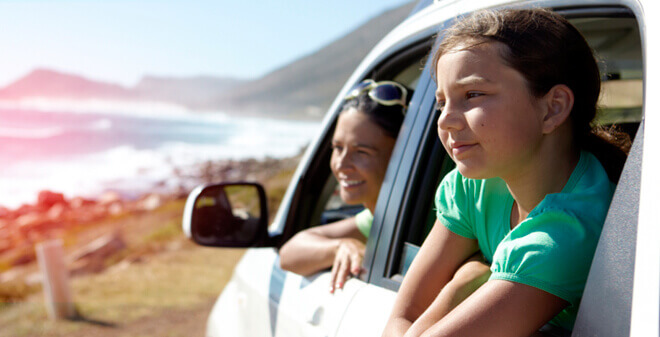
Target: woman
(517, 92)
(364, 137)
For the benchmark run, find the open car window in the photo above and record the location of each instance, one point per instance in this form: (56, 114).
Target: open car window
(614, 35)
(319, 200)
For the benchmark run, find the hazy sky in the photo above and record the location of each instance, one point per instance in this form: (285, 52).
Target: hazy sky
(121, 40)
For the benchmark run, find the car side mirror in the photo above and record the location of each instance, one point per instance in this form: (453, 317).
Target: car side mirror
(227, 215)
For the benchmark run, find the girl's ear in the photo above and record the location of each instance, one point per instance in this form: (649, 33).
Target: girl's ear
(559, 103)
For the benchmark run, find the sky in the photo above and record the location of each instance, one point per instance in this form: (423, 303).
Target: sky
(119, 41)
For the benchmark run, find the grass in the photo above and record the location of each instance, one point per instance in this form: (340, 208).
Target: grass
(122, 295)
(169, 231)
(172, 280)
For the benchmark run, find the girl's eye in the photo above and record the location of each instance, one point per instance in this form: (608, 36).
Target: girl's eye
(439, 106)
(472, 94)
(336, 147)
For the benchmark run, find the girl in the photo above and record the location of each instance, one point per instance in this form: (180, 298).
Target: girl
(364, 137)
(517, 90)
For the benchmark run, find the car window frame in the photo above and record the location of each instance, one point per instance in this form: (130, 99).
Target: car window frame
(394, 194)
(391, 222)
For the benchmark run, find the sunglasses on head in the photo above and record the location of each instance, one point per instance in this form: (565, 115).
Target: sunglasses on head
(384, 92)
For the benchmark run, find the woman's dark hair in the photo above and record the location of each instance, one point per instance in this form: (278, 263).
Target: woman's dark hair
(547, 50)
(388, 117)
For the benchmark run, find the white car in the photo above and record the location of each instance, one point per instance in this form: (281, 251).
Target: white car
(622, 296)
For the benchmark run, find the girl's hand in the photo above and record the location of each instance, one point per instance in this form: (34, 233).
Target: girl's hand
(348, 261)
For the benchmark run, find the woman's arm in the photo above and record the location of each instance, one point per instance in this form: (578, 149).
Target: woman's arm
(339, 245)
(441, 254)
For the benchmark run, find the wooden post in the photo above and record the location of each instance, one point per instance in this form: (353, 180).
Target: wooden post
(55, 274)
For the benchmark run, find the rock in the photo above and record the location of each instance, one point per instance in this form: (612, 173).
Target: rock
(100, 248)
(150, 203)
(87, 266)
(80, 202)
(4, 212)
(47, 199)
(116, 208)
(91, 258)
(109, 197)
(57, 212)
(31, 221)
(23, 209)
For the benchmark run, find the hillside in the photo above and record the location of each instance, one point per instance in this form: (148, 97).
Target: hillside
(312, 82)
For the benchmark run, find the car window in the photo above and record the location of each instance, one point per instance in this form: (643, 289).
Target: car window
(614, 35)
(403, 68)
(319, 201)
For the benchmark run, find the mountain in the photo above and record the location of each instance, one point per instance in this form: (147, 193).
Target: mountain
(192, 92)
(50, 83)
(304, 88)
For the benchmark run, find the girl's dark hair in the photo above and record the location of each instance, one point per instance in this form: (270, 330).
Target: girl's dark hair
(388, 117)
(547, 50)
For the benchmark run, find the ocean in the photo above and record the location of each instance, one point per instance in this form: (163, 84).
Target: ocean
(82, 152)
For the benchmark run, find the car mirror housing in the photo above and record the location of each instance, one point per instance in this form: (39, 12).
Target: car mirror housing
(227, 215)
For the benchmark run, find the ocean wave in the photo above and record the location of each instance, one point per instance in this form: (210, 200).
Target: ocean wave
(141, 166)
(31, 133)
(46, 132)
(101, 124)
(151, 109)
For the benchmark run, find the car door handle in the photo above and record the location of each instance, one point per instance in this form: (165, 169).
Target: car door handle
(314, 316)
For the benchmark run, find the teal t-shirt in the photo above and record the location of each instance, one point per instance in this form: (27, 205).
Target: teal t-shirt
(552, 248)
(364, 220)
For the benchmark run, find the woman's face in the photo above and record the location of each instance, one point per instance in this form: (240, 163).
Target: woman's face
(361, 152)
(490, 122)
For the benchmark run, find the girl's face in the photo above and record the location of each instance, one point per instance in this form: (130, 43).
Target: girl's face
(361, 152)
(490, 122)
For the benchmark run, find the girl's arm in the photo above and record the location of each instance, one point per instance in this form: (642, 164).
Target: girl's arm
(339, 245)
(441, 254)
(467, 279)
(500, 308)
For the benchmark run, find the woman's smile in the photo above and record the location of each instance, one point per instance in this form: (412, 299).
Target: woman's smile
(345, 183)
(361, 151)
